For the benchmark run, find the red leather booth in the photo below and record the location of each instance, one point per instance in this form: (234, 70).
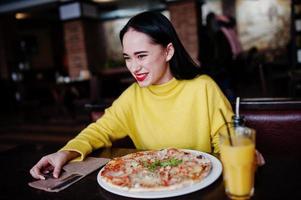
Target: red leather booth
(277, 122)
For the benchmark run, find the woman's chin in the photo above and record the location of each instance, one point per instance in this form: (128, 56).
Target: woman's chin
(143, 83)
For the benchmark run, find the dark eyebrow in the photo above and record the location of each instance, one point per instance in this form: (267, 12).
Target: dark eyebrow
(138, 52)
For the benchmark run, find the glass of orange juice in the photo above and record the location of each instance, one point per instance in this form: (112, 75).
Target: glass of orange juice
(237, 151)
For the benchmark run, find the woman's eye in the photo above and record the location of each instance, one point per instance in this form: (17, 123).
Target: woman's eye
(141, 56)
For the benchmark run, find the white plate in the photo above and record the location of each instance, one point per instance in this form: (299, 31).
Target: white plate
(212, 176)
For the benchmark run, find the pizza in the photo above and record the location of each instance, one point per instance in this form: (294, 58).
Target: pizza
(156, 170)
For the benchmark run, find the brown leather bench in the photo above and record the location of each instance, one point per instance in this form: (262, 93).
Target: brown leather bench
(276, 121)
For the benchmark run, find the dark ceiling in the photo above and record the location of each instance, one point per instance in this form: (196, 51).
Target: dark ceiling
(106, 9)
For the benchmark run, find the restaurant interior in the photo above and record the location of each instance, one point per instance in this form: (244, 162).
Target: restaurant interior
(61, 59)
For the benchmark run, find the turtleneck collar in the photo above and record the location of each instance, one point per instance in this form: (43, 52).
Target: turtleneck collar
(163, 89)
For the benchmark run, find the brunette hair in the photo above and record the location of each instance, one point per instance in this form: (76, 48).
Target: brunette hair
(161, 31)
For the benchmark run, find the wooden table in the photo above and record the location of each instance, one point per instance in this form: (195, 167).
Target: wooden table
(278, 179)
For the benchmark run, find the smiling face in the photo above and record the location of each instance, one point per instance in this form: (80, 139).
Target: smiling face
(146, 60)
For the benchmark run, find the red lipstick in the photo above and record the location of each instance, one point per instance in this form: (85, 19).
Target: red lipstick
(141, 77)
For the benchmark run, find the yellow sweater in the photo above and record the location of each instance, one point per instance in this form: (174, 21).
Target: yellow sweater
(180, 113)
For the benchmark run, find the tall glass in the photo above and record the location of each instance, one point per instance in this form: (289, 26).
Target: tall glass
(237, 150)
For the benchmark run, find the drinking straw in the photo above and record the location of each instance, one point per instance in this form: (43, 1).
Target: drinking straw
(228, 131)
(237, 107)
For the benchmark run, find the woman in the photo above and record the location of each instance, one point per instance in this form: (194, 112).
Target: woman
(171, 105)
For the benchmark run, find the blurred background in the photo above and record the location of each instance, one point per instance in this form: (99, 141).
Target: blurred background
(60, 59)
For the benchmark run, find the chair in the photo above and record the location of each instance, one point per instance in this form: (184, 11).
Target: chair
(277, 122)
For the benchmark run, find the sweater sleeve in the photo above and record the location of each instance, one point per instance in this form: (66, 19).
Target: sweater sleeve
(110, 127)
(216, 101)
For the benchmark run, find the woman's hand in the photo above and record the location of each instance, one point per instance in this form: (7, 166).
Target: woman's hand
(52, 162)
(259, 158)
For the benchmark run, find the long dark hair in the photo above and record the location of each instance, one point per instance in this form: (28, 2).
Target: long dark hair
(161, 31)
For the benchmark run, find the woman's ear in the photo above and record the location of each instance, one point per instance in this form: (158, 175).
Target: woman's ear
(170, 50)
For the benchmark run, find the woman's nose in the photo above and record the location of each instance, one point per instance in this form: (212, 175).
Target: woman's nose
(135, 66)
